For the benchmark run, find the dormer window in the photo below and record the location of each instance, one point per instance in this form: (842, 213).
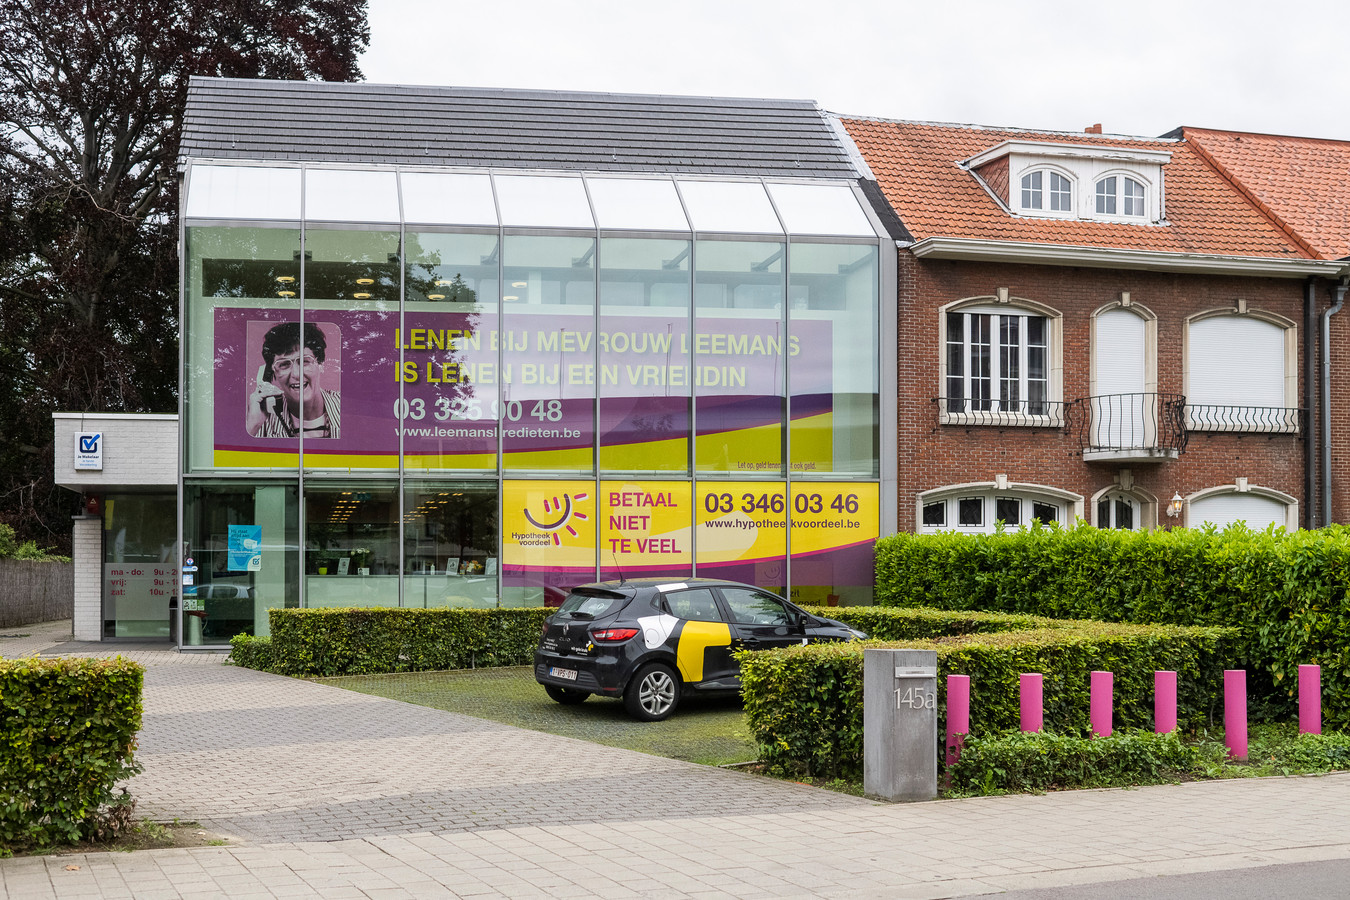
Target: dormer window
(1060, 191)
(1120, 192)
(1089, 182)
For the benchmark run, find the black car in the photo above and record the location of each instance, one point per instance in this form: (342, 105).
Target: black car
(649, 640)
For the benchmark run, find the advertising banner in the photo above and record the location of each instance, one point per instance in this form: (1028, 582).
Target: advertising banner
(742, 531)
(462, 379)
(548, 535)
(646, 529)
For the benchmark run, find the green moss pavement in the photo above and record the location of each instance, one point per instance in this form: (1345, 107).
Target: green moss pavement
(708, 730)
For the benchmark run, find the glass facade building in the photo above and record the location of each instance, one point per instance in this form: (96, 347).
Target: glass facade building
(419, 388)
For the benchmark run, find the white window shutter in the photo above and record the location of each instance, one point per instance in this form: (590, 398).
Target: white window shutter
(1235, 361)
(1225, 509)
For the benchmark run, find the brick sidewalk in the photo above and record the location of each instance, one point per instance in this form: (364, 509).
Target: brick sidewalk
(337, 794)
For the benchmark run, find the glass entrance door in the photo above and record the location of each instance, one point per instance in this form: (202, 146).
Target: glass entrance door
(139, 569)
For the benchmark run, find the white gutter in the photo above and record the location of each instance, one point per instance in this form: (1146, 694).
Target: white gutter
(1112, 258)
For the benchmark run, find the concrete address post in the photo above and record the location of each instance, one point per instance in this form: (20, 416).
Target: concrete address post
(900, 724)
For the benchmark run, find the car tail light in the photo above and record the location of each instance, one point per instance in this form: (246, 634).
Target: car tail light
(613, 635)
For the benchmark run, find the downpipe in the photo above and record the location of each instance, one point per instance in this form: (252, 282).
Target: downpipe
(1338, 296)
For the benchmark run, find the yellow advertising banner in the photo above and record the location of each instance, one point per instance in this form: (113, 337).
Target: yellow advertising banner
(646, 526)
(827, 515)
(548, 525)
(741, 521)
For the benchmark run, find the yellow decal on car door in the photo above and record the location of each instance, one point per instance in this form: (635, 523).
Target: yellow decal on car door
(695, 638)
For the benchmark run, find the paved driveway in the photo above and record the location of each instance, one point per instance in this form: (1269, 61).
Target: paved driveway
(335, 794)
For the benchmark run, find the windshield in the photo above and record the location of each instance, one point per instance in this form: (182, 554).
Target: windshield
(591, 604)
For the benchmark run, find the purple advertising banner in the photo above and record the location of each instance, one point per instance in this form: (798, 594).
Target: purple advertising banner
(338, 382)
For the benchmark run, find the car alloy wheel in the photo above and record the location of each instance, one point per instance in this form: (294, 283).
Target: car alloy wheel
(653, 694)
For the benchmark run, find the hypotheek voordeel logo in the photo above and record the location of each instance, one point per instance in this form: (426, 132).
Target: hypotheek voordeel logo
(563, 511)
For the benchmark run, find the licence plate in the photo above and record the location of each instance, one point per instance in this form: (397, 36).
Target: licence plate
(565, 674)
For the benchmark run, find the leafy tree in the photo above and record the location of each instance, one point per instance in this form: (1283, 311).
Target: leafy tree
(91, 104)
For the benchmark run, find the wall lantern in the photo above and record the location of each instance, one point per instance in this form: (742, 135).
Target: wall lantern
(1174, 505)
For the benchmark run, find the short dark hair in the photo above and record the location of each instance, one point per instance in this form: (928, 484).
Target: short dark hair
(285, 338)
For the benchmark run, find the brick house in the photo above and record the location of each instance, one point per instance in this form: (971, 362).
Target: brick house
(1303, 185)
(1090, 326)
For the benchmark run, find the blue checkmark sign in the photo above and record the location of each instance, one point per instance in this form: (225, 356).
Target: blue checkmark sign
(89, 443)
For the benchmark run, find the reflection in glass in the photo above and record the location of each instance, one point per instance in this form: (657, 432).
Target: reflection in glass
(730, 206)
(645, 383)
(235, 590)
(637, 203)
(449, 375)
(548, 363)
(351, 299)
(820, 209)
(351, 543)
(450, 554)
(140, 568)
(243, 192)
(543, 201)
(234, 276)
(738, 357)
(347, 195)
(448, 198)
(833, 322)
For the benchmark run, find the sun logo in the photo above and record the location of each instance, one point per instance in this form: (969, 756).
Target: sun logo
(565, 510)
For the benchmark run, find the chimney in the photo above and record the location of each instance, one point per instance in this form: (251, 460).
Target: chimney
(1093, 129)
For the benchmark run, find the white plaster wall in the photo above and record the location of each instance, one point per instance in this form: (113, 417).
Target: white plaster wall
(87, 555)
(138, 449)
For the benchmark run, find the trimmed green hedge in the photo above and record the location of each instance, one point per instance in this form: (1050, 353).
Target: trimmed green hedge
(370, 641)
(804, 704)
(67, 732)
(884, 623)
(1289, 592)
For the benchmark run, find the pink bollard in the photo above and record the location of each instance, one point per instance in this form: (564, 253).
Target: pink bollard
(1164, 702)
(1309, 699)
(1033, 701)
(1235, 712)
(958, 715)
(1099, 703)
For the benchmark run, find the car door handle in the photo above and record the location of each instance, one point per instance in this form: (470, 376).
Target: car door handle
(751, 643)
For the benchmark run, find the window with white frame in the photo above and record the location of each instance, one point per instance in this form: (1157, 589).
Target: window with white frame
(983, 511)
(1043, 185)
(1120, 195)
(998, 362)
(1239, 374)
(1226, 507)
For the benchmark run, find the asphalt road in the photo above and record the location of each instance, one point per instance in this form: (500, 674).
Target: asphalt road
(1312, 880)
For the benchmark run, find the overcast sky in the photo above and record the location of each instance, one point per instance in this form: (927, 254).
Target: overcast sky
(1143, 67)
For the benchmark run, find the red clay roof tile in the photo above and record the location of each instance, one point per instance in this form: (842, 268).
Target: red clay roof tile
(917, 168)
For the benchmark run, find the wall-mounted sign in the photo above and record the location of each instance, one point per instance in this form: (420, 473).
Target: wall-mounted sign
(244, 553)
(89, 450)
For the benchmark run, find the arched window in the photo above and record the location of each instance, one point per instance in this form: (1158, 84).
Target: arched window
(1000, 362)
(1120, 193)
(1045, 189)
(1257, 507)
(1241, 372)
(982, 508)
(1119, 510)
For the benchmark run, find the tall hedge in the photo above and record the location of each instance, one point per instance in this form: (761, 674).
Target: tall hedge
(804, 704)
(369, 641)
(1286, 591)
(67, 733)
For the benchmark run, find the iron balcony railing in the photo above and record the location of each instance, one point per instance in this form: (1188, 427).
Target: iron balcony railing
(1244, 419)
(1125, 423)
(1011, 413)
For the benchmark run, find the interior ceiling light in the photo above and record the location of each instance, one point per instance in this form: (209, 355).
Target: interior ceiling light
(509, 297)
(443, 282)
(520, 284)
(286, 294)
(365, 281)
(435, 296)
(362, 295)
(286, 279)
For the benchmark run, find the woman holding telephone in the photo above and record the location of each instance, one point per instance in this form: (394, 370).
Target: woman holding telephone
(289, 399)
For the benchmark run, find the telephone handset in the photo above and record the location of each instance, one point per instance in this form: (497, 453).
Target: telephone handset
(268, 393)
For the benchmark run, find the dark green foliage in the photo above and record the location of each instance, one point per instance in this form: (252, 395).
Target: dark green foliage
(67, 732)
(1023, 761)
(1286, 591)
(891, 624)
(369, 641)
(804, 704)
(1308, 752)
(10, 548)
(251, 652)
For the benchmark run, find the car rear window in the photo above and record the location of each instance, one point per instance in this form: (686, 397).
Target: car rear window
(592, 604)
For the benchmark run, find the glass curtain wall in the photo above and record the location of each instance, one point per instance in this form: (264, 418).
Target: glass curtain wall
(491, 414)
